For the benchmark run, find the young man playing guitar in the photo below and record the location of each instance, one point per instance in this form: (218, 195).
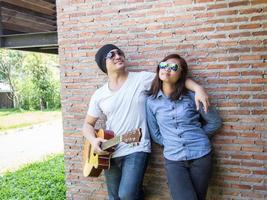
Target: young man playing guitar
(122, 101)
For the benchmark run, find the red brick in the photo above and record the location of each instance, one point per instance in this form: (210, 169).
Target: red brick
(255, 2)
(259, 18)
(183, 2)
(238, 19)
(260, 33)
(243, 34)
(217, 6)
(226, 28)
(250, 11)
(238, 3)
(256, 57)
(246, 187)
(249, 26)
(203, 1)
(250, 42)
(225, 13)
(233, 66)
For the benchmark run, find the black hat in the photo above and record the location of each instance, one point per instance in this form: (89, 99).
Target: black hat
(101, 54)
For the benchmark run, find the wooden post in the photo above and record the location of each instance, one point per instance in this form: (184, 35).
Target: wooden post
(1, 25)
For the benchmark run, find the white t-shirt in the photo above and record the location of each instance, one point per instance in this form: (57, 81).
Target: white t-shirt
(125, 110)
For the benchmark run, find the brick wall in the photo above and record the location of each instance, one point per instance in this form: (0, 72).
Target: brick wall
(224, 43)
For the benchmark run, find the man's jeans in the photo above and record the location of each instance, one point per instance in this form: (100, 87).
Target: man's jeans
(125, 177)
(188, 180)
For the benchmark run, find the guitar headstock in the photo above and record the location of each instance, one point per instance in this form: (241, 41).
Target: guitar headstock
(133, 136)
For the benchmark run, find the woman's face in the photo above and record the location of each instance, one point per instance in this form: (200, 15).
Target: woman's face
(170, 71)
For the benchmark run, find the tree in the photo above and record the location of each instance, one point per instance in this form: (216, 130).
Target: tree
(10, 69)
(33, 78)
(44, 85)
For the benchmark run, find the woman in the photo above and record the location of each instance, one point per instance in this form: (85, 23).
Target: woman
(184, 132)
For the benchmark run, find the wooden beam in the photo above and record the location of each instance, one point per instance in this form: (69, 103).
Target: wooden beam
(41, 50)
(25, 10)
(22, 22)
(35, 5)
(18, 28)
(1, 24)
(31, 18)
(51, 1)
(31, 40)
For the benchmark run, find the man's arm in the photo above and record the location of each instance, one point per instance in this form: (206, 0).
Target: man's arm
(89, 134)
(200, 95)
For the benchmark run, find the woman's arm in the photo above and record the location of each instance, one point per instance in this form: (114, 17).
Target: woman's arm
(211, 121)
(153, 126)
(200, 95)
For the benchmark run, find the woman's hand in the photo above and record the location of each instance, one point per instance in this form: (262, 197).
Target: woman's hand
(202, 97)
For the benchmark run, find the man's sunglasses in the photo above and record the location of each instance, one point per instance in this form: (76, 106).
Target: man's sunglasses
(112, 53)
(171, 66)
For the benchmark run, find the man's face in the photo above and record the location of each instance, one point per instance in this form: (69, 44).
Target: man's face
(115, 60)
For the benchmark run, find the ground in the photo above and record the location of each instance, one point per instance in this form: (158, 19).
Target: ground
(22, 146)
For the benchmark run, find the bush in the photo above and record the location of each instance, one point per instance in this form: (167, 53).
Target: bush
(43, 180)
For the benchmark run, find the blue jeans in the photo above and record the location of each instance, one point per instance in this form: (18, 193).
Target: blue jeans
(124, 179)
(188, 180)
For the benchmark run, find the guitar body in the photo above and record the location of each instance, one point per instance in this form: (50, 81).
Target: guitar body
(93, 164)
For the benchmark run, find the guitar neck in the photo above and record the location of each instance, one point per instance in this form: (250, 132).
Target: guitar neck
(110, 143)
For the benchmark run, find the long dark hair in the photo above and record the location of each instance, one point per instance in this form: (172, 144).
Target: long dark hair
(179, 85)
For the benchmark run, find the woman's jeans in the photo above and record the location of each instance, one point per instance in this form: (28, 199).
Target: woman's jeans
(125, 177)
(188, 180)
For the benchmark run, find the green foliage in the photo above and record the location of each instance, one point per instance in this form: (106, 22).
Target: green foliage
(10, 70)
(43, 180)
(40, 88)
(33, 77)
(10, 62)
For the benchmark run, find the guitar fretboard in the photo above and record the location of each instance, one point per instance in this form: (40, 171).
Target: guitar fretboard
(110, 143)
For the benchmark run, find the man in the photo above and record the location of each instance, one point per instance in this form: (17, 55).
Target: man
(122, 100)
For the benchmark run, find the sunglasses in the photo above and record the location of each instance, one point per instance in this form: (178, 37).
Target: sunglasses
(112, 53)
(171, 66)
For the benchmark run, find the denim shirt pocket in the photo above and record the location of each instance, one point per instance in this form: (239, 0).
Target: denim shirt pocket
(189, 111)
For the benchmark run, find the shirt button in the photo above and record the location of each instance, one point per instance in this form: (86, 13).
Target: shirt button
(180, 136)
(173, 107)
(183, 145)
(173, 117)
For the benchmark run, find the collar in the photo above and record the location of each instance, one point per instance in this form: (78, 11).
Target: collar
(160, 94)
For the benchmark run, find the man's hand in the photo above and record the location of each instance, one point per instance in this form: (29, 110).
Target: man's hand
(202, 97)
(96, 146)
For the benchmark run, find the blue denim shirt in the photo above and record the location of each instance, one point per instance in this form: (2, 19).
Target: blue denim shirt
(179, 127)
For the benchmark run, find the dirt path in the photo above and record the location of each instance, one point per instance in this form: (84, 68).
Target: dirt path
(26, 145)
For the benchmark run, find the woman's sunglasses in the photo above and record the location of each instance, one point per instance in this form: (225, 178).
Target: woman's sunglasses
(112, 53)
(171, 66)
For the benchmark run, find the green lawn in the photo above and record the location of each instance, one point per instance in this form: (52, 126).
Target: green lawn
(15, 118)
(37, 181)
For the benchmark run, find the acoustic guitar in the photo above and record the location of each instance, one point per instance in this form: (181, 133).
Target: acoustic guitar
(93, 164)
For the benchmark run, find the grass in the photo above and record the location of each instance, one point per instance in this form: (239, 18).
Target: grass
(15, 118)
(37, 181)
